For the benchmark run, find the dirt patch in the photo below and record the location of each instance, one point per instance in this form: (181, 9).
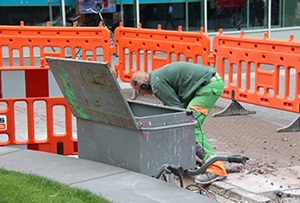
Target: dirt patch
(267, 149)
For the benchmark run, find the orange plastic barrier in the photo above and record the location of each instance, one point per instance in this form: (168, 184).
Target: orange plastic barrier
(48, 141)
(264, 72)
(41, 41)
(140, 47)
(26, 48)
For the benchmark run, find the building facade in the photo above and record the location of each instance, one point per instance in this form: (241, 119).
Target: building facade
(279, 18)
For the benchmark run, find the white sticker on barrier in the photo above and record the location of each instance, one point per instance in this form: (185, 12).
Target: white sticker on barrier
(3, 122)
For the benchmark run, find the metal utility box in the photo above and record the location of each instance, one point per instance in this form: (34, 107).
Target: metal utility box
(137, 136)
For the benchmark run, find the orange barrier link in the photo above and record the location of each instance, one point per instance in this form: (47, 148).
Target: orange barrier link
(48, 141)
(260, 71)
(161, 45)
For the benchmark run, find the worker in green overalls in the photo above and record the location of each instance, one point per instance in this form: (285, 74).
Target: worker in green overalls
(190, 86)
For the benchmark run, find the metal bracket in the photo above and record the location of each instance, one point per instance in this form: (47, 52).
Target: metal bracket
(294, 127)
(234, 108)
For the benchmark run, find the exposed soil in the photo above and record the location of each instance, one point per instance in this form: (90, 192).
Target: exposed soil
(267, 149)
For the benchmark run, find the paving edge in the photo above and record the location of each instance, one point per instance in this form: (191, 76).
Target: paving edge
(236, 193)
(291, 195)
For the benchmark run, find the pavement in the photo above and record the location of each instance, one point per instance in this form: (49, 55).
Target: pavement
(271, 175)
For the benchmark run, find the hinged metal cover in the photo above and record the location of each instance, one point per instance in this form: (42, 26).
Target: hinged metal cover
(92, 91)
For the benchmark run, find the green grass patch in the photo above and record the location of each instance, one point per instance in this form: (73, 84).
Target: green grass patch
(16, 187)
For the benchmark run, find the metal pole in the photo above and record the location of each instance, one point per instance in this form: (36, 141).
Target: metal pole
(137, 3)
(283, 13)
(248, 13)
(122, 12)
(63, 12)
(205, 16)
(50, 11)
(269, 17)
(186, 15)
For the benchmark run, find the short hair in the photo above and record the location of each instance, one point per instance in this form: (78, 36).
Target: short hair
(138, 76)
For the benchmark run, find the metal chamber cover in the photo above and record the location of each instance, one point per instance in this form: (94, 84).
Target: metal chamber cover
(92, 91)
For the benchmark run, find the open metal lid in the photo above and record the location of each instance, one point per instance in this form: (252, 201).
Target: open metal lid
(92, 91)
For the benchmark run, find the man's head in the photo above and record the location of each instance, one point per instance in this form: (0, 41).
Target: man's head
(140, 83)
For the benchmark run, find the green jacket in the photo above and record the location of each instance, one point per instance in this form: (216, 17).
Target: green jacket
(175, 84)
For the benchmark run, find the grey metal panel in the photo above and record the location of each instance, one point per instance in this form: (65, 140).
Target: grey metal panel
(174, 146)
(165, 138)
(92, 91)
(13, 84)
(54, 90)
(108, 144)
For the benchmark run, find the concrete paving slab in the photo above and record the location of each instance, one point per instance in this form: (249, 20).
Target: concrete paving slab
(7, 150)
(261, 187)
(135, 187)
(115, 184)
(284, 179)
(64, 169)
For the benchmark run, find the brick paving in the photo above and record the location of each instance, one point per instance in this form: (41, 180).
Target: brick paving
(255, 138)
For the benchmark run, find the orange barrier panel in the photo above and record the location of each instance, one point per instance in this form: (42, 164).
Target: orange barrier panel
(24, 48)
(25, 115)
(138, 44)
(265, 72)
(27, 47)
(64, 42)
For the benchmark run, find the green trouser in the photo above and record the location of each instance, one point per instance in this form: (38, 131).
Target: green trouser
(202, 103)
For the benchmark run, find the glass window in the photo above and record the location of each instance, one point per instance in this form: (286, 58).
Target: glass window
(227, 14)
(258, 13)
(275, 13)
(291, 13)
(169, 16)
(33, 15)
(195, 15)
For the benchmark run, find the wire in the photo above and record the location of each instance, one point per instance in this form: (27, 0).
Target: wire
(181, 181)
(199, 188)
(206, 192)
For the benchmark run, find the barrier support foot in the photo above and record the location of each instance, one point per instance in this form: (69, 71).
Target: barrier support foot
(294, 127)
(234, 108)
